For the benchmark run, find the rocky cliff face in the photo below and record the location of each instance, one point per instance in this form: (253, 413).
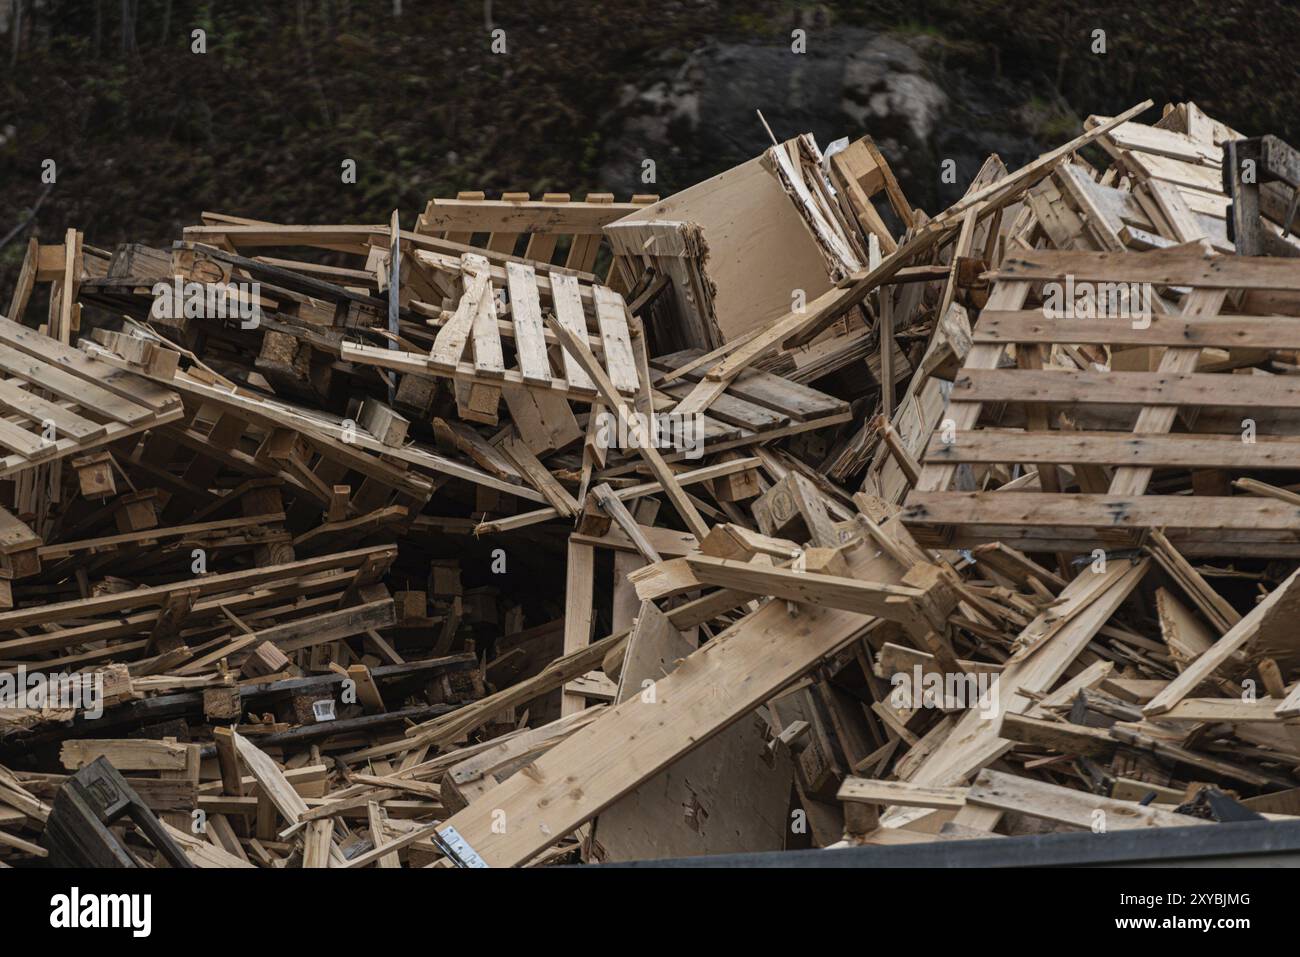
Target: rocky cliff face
(696, 117)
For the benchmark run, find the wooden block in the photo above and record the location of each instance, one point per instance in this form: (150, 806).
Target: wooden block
(222, 704)
(338, 506)
(265, 659)
(444, 578)
(95, 474)
(411, 604)
(386, 425)
(480, 605)
(593, 520)
(136, 514)
(793, 508)
(737, 487)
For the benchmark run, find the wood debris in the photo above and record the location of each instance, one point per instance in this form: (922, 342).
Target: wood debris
(772, 514)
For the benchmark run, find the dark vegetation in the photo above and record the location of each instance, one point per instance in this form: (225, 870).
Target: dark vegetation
(146, 133)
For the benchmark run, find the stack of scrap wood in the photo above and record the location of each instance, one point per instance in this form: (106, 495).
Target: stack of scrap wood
(772, 514)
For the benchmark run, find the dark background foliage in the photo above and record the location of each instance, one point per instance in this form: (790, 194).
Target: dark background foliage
(146, 134)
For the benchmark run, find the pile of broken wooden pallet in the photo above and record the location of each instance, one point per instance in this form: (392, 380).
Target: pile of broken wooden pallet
(341, 566)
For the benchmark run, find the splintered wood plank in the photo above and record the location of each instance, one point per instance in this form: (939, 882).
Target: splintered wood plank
(1047, 646)
(536, 473)
(731, 410)
(484, 399)
(486, 455)
(488, 360)
(526, 311)
(67, 288)
(1280, 608)
(26, 280)
(544, 420)
(793, 399)
(567, 298)
(376, 818)
(620, 361)
(271, 779)
(449, 345)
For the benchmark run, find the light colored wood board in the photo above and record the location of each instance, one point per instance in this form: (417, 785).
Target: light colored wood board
(991, 446)
(449, 344)
(633, 741)
(31, 446)
(1163, 388)
(541, 479)
(903, 793)
(731, 410)
(1007, 792)
(579, 592)
(545, 216)
(567, 299)
(15, 399)
(122, 383)
(1151, 139)
(526, 312)
(1067, 510)
(1172, 267)
(73, 388)
(611, 317)
(1224, 332)
(653, 651)
(26, 281)
(488, 360)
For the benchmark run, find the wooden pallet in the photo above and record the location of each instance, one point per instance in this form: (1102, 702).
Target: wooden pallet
(55, 401)
(1099, 438)
(469, 348)
(537, 230)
